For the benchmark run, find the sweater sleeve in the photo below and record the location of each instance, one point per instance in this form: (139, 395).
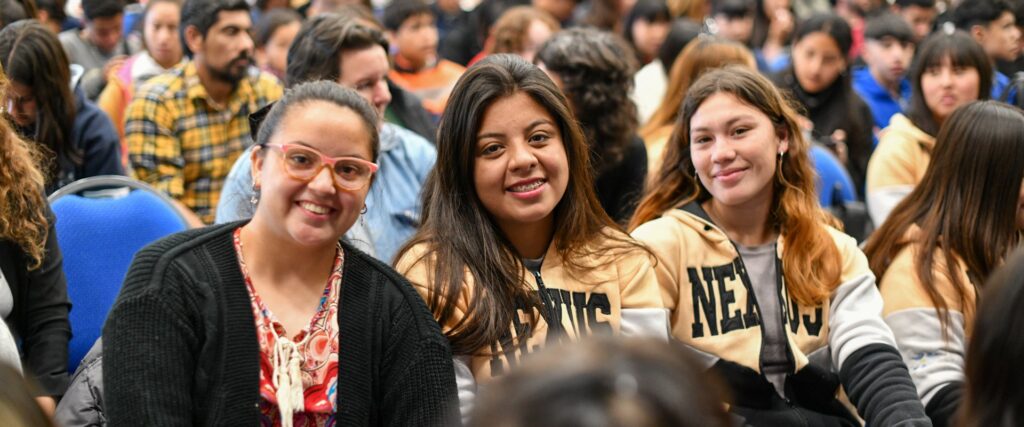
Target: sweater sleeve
(42, 319)
(863, 347)
(417, 372)
(148, 348)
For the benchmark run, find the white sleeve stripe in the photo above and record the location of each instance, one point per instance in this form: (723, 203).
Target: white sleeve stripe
(645, 322)
(933, 360)
(882, 201)
(856, 318)
(465, 383)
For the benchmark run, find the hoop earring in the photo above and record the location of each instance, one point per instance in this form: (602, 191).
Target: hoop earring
(363, 211)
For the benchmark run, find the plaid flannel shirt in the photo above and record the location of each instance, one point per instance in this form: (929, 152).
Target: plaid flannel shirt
(182, 143)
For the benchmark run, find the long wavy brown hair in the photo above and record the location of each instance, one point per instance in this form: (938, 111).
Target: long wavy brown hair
(22, 213)
(700, 56)
(966, 204)
(461, 235)
(812, 262)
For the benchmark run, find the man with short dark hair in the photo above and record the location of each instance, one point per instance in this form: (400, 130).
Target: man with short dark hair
(187, 127)
(882, 83)
(358, 61)
(100, 46)
(994, 26)
(919, 14)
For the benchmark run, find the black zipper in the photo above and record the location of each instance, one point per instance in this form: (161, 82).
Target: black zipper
(549, 312)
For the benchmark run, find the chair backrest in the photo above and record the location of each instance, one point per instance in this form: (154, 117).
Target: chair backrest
(101, 222)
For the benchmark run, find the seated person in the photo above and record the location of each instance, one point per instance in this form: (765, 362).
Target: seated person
(413, 33)
(882, 83)
(360, 62)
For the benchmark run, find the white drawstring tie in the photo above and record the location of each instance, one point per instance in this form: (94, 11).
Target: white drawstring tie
(288, 379)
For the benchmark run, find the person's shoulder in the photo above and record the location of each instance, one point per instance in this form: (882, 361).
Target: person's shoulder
(408, 139)
(163, 87)
(265, 85)
(398, 294)
(70, 38)
(182, 250)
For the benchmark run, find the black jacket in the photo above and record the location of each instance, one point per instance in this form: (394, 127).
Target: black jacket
(180, 344)
(837, 107)
(410, 114)
(40, 316)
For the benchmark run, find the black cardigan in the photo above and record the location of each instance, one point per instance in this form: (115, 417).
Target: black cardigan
(180, 343)
(40, 316)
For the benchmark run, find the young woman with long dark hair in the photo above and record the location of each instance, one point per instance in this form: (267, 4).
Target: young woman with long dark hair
(950, 70)
(819, 79)
(33, 291)
(514, 250)
(756, 278)
(941, 243)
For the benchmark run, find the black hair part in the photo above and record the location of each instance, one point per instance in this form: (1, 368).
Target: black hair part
(270, 22)
(927, 4)
(398, 11)
(979, 12)
(93, 9)
(681, 33)
(888, 25)
(733, 9)
(828, 23)
(315, 54)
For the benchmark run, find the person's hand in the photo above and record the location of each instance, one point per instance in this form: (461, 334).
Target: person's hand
(113, 66)
(48, 404)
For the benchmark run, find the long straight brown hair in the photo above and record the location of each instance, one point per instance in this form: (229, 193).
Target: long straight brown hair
(966, 204)
(812, 261)
(461, 235)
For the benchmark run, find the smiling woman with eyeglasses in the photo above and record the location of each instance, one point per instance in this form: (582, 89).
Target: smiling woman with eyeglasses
(246, 321)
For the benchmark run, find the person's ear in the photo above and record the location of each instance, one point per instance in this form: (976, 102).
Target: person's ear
(979, 33)
(193, 39)
(783, 136)
(256, 159)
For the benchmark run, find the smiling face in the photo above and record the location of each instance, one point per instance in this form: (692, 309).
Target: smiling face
(520, 168)
(947, 87)
(735, 149)
(315, 212)
(817, 61)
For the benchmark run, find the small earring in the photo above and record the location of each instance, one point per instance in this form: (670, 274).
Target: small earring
(254, 199)
(363, 211)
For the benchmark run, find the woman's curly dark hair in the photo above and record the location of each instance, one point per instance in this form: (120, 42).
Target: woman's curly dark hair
(596, 69)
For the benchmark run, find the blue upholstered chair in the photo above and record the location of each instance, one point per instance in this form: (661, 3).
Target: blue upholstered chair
(101, 222)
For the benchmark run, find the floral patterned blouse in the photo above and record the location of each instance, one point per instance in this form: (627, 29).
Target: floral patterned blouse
(317, 344)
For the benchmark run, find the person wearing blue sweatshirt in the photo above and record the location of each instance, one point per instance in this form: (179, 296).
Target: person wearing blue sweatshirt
(993, 25)
(882, 83)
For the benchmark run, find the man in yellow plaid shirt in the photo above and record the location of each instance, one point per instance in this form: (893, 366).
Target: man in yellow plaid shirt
(187, 127)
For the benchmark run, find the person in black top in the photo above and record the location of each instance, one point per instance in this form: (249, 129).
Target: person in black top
(188, 334)
(820, 80)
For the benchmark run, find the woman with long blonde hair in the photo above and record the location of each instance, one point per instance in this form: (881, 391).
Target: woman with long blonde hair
(756, 278)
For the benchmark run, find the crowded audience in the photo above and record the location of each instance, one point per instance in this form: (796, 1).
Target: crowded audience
(516, 213)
